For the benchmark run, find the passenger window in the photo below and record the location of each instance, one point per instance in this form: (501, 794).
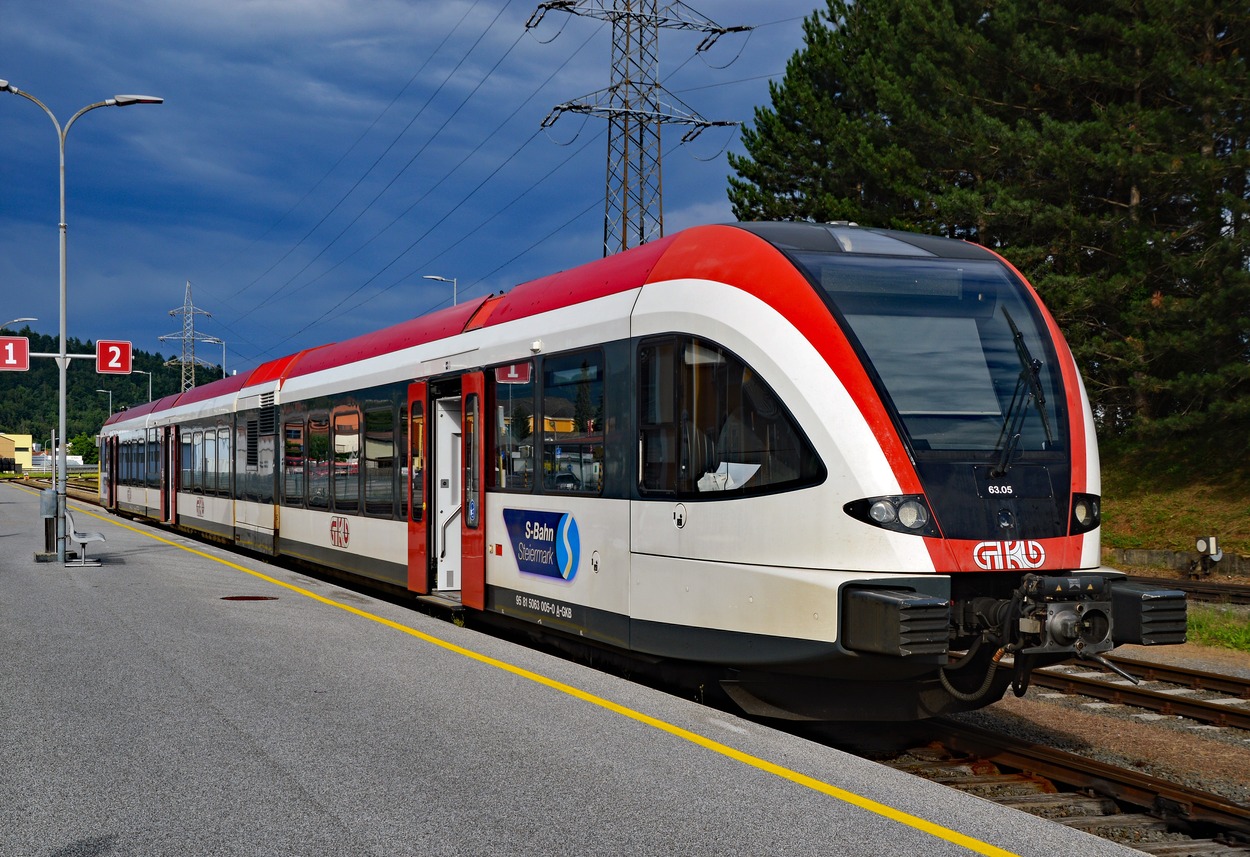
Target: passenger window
(472, 513)
(317, 470)
(711, 425)
(416, 478)
(223, 461)
(380, 461)
(197, 462)
(293, 470)
(513, 454)
(187, 463)
(347, 461)
(572, 423)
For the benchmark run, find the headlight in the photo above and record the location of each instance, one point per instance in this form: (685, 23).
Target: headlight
(912, 514)
(1086, 513)
(908, 513)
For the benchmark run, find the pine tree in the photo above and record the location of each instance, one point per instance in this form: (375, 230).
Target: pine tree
(1103, 149)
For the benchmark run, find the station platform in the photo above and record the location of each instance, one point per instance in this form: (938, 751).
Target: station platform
(146, 710)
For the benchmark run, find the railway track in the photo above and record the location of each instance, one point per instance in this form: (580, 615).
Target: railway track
(1121, 804)
(1220, 700)
(1202, 590)
(83, 490)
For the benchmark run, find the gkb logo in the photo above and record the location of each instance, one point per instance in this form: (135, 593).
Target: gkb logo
(1000, 556)
(544, 543)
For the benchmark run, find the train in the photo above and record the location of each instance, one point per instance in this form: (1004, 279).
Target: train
(849, 473)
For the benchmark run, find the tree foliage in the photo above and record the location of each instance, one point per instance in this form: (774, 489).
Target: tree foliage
(1103, 148)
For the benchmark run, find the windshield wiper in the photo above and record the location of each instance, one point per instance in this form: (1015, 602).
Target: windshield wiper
(1028, 386)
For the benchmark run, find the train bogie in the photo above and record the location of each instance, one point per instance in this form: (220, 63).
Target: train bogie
(849, 473)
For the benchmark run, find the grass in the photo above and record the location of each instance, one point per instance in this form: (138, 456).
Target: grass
(1163, 502)
(1215, 625)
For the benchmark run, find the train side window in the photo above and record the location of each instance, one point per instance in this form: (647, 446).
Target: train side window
(346, 471)
(472, 478)
(572, 423)
(416, 476)
(187, 463)
(380, 461)
(657, 441)
(319, 459)
(223, 462)
(197, 462)
(512, 455)
(293, 469)
(401, 464)
(208, 481)
(727, 431)
(154, 459)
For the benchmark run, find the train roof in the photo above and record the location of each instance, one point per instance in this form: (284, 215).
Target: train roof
(698, 251)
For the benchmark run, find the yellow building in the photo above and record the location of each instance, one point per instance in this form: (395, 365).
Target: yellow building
(17, 447)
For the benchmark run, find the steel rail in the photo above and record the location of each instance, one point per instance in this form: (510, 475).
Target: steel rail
(1202, 590)
(1166, 799)
(1116, 690)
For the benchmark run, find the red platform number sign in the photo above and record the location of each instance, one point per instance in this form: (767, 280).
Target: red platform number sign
(14, 354)
(112, 357)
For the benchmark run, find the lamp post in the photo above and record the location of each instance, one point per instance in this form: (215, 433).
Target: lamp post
(454, 286)
(62, 360)
(149, 374)
(16, 321)
(110, 392)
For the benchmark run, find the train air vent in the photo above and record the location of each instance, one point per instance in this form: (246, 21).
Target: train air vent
(895, 622)
(1147, 615)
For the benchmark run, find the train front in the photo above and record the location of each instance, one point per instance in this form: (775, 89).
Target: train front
(991, 437)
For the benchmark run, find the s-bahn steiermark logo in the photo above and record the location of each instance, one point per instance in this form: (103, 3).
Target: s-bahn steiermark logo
(1002, 556)
(545, 543)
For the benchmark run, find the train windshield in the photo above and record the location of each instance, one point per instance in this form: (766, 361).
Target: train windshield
(957, 347)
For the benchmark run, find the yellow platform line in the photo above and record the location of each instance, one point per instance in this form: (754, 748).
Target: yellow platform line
(905, 818)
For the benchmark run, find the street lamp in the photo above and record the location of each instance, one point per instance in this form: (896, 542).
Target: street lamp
(215, 341)
(149, 374)
(110, 392)
(454, 286)
(62, 360)
(16, 321)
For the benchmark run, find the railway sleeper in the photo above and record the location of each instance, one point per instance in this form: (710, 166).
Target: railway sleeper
(1062, 805)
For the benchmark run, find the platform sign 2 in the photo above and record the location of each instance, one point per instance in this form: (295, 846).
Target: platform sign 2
(112, 357)
(14, 354)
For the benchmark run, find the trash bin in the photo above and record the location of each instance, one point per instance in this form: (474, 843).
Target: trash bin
(47, 510)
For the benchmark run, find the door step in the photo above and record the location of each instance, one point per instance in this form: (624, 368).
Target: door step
(444, 602)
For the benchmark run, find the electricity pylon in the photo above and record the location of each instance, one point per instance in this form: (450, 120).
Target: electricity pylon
(188, 337)
(635, 105)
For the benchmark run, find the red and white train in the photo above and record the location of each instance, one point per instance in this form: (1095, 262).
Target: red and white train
(852, 471)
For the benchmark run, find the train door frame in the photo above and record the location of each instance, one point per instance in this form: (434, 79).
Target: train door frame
(446, 484)
(110, 491)
(473, 520)
(170, 439)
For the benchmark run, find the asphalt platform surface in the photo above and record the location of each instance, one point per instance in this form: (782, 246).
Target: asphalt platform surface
(143, 714)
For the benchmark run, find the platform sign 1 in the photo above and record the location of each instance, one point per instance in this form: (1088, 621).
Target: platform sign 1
(14, 354)
(112, 357)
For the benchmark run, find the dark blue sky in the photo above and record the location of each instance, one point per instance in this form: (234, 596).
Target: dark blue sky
(314, 159)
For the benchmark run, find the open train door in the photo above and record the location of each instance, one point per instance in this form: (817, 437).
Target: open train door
(472, 519)
(169, 473)
(417, 487)
(108, 473)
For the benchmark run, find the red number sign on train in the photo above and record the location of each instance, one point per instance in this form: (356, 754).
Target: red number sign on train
(14, 354)
(112, 357)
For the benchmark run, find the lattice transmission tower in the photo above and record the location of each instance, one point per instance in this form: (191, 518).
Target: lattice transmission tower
(188, 337)
(636, 105)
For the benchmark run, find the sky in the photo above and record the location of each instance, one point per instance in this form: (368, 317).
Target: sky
(314, 160)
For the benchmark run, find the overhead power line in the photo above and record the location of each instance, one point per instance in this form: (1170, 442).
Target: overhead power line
(636, 105)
